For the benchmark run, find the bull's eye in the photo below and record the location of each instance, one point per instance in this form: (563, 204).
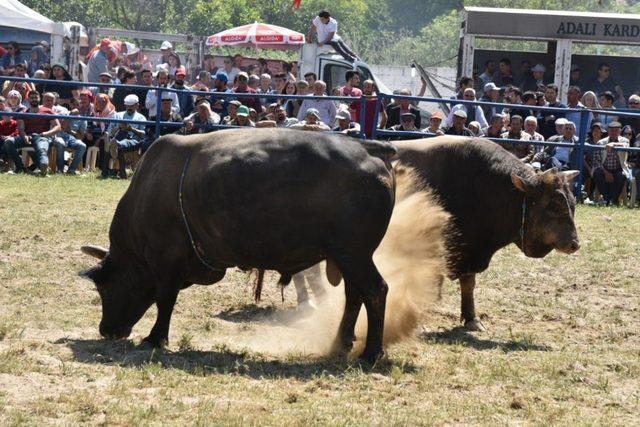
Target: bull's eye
(557, 207)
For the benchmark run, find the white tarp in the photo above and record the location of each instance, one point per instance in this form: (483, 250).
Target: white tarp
(15, 14)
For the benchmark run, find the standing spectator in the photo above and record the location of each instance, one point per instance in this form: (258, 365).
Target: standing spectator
(146, 77)
(37, 58)
(265, 89)
(504, 75)
(524, 152)
(395, 111)
(574, 77)
(464, 84)
(263, 67)
(603, 82)
(548, 118)
(128, 78)
(184, 99)
(610, 167)
(290, 105)
(536, 79)
(99, 61)
(491, 94)
(311, 78)
(242, 86)
(590, 101)
(345, 125)
(11, 58)
(36, 132)
(634, 106)
(230, 70)
(487, 76)
(279, 81)
(326, 29)
(70, 137)
(473, 112)
(495, 128)
(166, 49)
(287, 69)
(350, 88)
(575, 116)
(368, 91)
(325, 108)
(606, 103)
(174, 64)
(218, 104)
(434, 124)
(254, 82)
(162, 80)
(458, 127)
(125, 137)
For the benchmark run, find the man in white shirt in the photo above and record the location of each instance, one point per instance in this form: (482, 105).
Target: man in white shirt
(326, 108)
(326, 29)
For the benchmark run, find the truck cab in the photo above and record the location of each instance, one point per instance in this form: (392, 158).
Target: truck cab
(331, 67)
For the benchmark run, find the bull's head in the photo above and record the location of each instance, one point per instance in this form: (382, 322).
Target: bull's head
(124, 300)
(549, 213)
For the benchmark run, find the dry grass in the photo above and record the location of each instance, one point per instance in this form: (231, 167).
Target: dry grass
(562, 347)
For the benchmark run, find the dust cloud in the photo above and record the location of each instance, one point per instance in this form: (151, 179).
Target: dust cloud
(411, 260)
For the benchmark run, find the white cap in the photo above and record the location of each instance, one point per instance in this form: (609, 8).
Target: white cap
(561, 121)
(166, 45)
(131, 99)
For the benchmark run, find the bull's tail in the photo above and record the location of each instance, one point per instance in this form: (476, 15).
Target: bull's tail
(257, 285)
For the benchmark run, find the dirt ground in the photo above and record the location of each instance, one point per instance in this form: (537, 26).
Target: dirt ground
(562, 345)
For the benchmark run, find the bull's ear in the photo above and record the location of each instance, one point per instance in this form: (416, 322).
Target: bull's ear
(99, 274)
(570, 175)
(521, 183)
(94, 251)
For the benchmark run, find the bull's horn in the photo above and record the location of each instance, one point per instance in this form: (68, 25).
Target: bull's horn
(94, 251)
(570, 175)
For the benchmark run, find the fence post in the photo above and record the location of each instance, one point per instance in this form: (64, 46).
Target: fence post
(158, 110)
(582, 137)
(363, 102)
(376, 114)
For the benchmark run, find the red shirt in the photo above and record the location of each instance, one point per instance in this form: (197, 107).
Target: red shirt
(369, 114)
(9, 128)
(37, 124)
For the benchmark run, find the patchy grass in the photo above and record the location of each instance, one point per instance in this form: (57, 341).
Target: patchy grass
(563, 344)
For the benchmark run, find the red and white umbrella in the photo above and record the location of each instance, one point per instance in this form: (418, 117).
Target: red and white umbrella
(259, 35)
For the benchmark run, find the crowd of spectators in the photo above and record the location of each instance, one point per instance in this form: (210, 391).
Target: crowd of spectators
(206, 110)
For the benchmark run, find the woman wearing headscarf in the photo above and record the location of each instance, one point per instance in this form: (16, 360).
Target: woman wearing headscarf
(14, 102)
(66, 92)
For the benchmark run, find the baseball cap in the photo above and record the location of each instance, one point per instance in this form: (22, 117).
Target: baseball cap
(243, 74)
(437, 115)
(343, 115)
(408, 115)
(561, 121)
(312, 112)
(166, 45)
(235, 102)
(539, 68)
(614, 125)
(460, 113)
(131, 99)
(105, 74)
(222, 76)
(243, 111)
(490, 86)
(180, 71)
(105, 42)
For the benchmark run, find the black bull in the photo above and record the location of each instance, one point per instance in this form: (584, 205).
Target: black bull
(270, 199)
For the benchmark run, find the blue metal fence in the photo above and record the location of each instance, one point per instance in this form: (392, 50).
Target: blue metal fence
(581, 146)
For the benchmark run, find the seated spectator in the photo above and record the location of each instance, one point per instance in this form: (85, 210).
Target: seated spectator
(311, 122)
(458, 127)
(233, 111)
(37, 132)
(610, 167)
(634, 122)
(524, 152)
(326, 108)
(310, 78)
(593, 137)
(242, 86)
(276, 117)
(265, 89)
(407, 124)
(473, 112)
(242, 117)
(184, 99)
(70, 137)
(253, 115)
(559, 130)
(402, 106)
(495, 128)
(198, 121)
(475, 129)
(345, 125)
(125, 137)
(15, 102)
(8, 129)
(530, 127)
(254, 82)
(326, 29)
(560, 158)
(435, 121)
(104, 78)
(128, 77)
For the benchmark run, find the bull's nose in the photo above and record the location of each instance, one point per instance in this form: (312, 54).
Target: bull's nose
(572, 247)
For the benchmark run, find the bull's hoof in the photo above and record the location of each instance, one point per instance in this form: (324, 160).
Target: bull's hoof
(155, 342)
(474, 325)
(372, 357)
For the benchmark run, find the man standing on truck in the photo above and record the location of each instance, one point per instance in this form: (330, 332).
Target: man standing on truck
(326, 29)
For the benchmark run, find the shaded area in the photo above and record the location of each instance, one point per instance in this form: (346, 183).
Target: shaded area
(460, 336)
(221, 360)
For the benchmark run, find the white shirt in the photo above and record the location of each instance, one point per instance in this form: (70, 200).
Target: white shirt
(323, 30)
(479, 115)
(151, 100)
(325, 107)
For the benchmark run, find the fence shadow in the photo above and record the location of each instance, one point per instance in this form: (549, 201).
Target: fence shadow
(221, 360)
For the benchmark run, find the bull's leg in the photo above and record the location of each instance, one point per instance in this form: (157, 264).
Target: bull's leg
(166, 297)
(467, 285)
(346, 332)
(374, 290)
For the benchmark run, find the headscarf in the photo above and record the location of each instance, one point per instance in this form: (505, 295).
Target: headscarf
(109, 109)
(18, 107)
